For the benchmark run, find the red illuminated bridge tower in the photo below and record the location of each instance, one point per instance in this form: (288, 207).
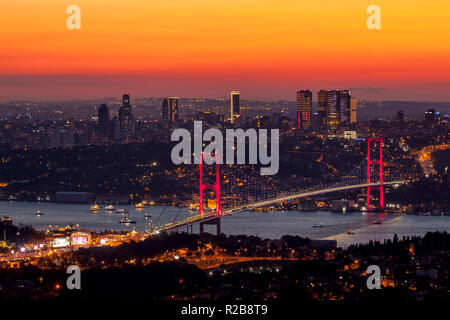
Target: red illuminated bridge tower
(379, 162)
(216, 188)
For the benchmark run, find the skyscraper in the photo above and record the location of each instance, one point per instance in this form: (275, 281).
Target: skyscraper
(344, 106)
(126, 117)
(103, 118)
(353, 103)
(126, 100)
(322, 107)
(304, 107)
(114, 129)
(430, 118)
(333, 107)
(400, 116)
(165, 111)
(235, 107)
(173, 110)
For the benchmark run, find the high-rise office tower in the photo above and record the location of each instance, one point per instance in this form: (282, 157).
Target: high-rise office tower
(114, 129)
(173, 110)
(165, 111)
(235, 107)
(344, 106)
(400, 116)
(103, 118)
(126, 100)
(353, 103)
(322, 107)
(126, 117)
(304, 107)
(333, 107)
(430, 118)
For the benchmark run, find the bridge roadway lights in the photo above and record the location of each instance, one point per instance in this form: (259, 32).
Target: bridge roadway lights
(215, 221)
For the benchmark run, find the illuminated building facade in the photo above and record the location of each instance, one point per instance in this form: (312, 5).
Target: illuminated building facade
(322, 107)
(334, 107)
(235, 105)
(173, 110)
(304, 107)
(126, 117)
(431, 117)
(344, 109)
(80, 238)
(353, 104)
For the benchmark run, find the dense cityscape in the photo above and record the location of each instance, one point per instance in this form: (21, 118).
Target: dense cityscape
(235, 159)
(108, 160)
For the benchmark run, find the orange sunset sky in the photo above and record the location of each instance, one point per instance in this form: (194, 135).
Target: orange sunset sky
(205, 48)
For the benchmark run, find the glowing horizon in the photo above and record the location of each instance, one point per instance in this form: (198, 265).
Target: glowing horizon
(273, 47)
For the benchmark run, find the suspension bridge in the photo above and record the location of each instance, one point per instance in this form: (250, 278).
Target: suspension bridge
(373, 178)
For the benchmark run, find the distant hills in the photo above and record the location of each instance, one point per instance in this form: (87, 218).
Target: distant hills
(388, 109)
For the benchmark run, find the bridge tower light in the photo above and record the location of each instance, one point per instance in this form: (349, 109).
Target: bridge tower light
(371, 161)
(215, 187)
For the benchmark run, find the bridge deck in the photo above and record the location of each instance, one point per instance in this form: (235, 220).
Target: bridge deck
(304, 193)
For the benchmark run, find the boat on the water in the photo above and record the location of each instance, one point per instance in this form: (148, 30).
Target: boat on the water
(95, 208)
(140, 205)
(72, 227)
(121, 211)
(125, 220)
(318, 225)
(110, 208)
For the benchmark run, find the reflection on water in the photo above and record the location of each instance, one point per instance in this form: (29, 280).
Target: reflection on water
(64, 214)
(364, 226)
